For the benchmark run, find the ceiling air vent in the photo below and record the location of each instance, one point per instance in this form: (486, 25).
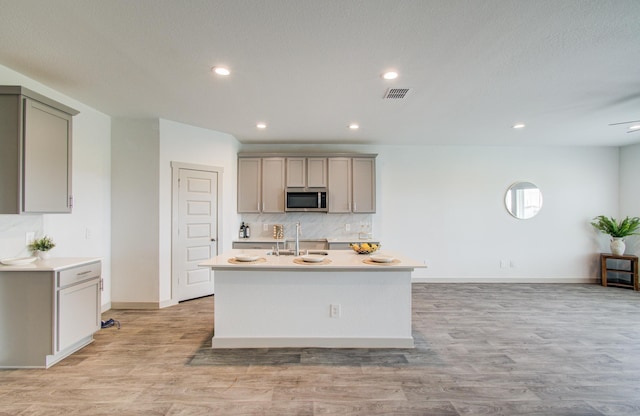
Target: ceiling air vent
(393, 93)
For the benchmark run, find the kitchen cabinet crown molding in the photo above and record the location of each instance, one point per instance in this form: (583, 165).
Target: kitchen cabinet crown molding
(19, 90)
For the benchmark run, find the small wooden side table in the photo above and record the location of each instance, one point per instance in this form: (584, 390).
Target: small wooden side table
(632, 271)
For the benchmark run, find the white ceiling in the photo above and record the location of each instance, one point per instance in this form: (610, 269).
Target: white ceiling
(308, 68)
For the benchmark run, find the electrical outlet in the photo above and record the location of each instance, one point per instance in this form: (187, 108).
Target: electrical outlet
(347, 227)
(29, 237)
(87, 233)
(265, 227)
(504, 264)
(334, 311)
(427, 263)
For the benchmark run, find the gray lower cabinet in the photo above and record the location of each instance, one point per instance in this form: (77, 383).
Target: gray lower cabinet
(47, 315)
(248, 245)
(289, 244)
(35, 153)
(347, 246)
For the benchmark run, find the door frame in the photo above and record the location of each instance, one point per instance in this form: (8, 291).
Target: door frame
(175, 198)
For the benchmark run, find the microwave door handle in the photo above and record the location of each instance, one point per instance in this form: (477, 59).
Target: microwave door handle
(319, 200)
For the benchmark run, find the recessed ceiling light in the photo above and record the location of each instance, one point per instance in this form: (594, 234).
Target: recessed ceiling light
(354, 126)
(519, 126)
(635, 127)
(261, 125)
(221, 70)
(390, 75)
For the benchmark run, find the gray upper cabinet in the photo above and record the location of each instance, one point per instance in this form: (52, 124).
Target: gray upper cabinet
(364, 185)
(305, 172)
(317, 174)
(249, 184)
(352, 185)
(350, 180)
(339, 185)
(261, 184)
(35, 153)
(296, 172)
(273, 184)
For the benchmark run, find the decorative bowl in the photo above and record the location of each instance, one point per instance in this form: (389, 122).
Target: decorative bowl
(364, 248)
(381, 258)
(18, 261)
(313, 258)
(246, 257)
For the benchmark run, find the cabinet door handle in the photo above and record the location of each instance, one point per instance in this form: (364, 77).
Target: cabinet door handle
(213, 239)
(83, 273)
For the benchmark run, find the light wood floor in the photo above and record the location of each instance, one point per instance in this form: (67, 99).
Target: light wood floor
(482, 349)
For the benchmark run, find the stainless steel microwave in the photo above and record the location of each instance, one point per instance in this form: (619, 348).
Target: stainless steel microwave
(306, 200)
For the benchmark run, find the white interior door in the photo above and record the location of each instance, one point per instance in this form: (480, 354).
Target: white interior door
(197, 231)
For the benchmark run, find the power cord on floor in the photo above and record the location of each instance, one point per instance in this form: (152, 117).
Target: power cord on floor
(110, 322)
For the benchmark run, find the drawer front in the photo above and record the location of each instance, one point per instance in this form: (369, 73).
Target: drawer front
(79, 274)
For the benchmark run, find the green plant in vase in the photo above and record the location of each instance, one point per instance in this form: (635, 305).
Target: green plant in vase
(617, 230)
(41, 246)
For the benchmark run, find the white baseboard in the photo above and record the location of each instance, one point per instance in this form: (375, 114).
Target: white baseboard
(167, 303)
(280, 342)
(135, 305)
(139, 305)
(505, 280)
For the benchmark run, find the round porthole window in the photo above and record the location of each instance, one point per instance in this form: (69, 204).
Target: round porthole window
(523, 200)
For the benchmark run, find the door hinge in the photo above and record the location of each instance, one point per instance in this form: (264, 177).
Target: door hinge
(101, 285)
(70, 201)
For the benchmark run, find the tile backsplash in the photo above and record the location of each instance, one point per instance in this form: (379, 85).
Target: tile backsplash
(13, 231)
(313, 225)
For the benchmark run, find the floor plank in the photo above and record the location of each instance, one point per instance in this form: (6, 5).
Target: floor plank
(481, 349)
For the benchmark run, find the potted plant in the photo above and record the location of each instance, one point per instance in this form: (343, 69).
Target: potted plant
(617, 230)
(41, 246)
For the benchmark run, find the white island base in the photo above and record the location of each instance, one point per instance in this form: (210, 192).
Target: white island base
(282, 304)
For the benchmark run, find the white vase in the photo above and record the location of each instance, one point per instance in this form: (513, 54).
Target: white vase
(617, 246)
(43, 255)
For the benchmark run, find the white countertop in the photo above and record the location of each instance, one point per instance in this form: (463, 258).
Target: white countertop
(339, 260)
(51, 264)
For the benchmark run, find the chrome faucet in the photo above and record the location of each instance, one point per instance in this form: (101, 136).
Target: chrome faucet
(297, 253)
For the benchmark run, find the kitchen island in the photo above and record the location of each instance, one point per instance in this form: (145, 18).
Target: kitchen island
(343, 301)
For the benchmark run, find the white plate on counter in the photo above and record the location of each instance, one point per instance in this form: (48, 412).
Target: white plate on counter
(313, 258)
(18, 261)
(246, 257)
(380, 258)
